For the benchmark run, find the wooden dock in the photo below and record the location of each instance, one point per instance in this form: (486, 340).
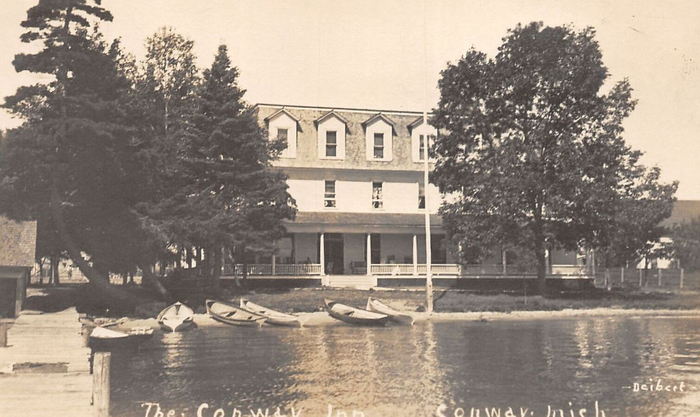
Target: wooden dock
(44, 371)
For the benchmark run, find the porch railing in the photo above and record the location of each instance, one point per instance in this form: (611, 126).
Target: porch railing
(453, 270)
(267, 269)
(411, 269)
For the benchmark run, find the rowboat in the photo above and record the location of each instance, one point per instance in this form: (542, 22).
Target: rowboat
(271, 316)
(101, 322)
(176, 317)
(107, 339)
(230, 314)
(354, 315)
(394, 315)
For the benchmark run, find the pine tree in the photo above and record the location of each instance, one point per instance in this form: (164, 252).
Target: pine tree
(221, 190)
(70, 163)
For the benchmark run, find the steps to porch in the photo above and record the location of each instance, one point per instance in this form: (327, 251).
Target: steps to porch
(360, 282)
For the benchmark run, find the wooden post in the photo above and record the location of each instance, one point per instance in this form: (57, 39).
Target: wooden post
(682, 273)
(368, 255)
(606, 278)
(658, 270)
(322, 253)
(622, 275)
(640, 277)
(3, 333)
(100, 383)
(274, 260)
(415, 255)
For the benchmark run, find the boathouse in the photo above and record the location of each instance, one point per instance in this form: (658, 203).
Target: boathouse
(357, 178)
(17, 254)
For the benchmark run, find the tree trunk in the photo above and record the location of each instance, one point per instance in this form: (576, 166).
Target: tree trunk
(41, 271)
(539, 247)
(97, 279)
(216, 263)
(55, 260)
(234, 258)
(151, 280)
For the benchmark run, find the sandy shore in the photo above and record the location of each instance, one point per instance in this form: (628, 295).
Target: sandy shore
(321, 318)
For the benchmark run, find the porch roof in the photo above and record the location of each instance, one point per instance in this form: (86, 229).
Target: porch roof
(365, 219)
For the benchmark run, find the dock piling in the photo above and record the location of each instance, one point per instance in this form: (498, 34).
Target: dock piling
(4, 326)
(100, 383)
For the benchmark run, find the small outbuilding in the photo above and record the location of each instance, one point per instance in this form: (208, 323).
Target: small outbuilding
(17, 254)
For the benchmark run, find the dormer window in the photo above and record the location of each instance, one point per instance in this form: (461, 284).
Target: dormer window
(331, 143)
(283, 126)
(331, 129)
(379, 132)
(379, 146)
(283, 136)
(421, 146)
(419, 132)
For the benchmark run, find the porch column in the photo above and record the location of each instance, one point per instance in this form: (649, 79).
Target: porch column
(504, 256)
(369, 254)
(322, 254)
(274, 261)
(415, 255)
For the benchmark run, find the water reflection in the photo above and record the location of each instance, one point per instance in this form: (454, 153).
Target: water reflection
(414, 370)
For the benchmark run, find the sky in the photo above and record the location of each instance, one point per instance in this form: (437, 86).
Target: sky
(388, 54)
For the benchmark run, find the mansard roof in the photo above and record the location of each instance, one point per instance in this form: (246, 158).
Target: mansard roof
(328, 115)
(414, 124)
(281, 112)
(379, 116)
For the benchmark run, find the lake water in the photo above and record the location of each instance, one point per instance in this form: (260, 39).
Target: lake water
(431, 369)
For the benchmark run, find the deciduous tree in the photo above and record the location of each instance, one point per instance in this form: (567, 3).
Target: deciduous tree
(531, 149)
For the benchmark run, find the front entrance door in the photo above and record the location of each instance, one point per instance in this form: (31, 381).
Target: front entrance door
(333, 249)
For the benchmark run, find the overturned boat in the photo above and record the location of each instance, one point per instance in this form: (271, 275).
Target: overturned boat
(176, 317)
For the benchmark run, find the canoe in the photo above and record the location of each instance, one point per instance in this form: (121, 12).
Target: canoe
(230, 314)
(394, 315)
(273, 317)
(176, 317)
(107, 339)
(354, 315)
(101, 322)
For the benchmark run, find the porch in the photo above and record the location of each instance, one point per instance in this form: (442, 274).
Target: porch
(404, 270)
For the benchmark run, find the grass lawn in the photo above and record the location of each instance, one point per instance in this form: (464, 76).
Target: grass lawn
(307, 300)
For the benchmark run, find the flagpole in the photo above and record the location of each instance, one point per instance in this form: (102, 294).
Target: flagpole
(428, 247)
(426, 170)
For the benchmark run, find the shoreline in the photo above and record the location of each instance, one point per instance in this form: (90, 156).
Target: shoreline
(322, 319)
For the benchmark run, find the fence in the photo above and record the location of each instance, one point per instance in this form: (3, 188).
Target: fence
(644, 278)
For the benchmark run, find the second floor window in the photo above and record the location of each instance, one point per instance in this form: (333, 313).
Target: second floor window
(331, 143)
(329, 194)
(282, 136)
(377, 199)
(379, 146)
(421, 196)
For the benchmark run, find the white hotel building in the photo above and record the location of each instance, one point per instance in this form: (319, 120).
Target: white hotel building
(357, 178)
